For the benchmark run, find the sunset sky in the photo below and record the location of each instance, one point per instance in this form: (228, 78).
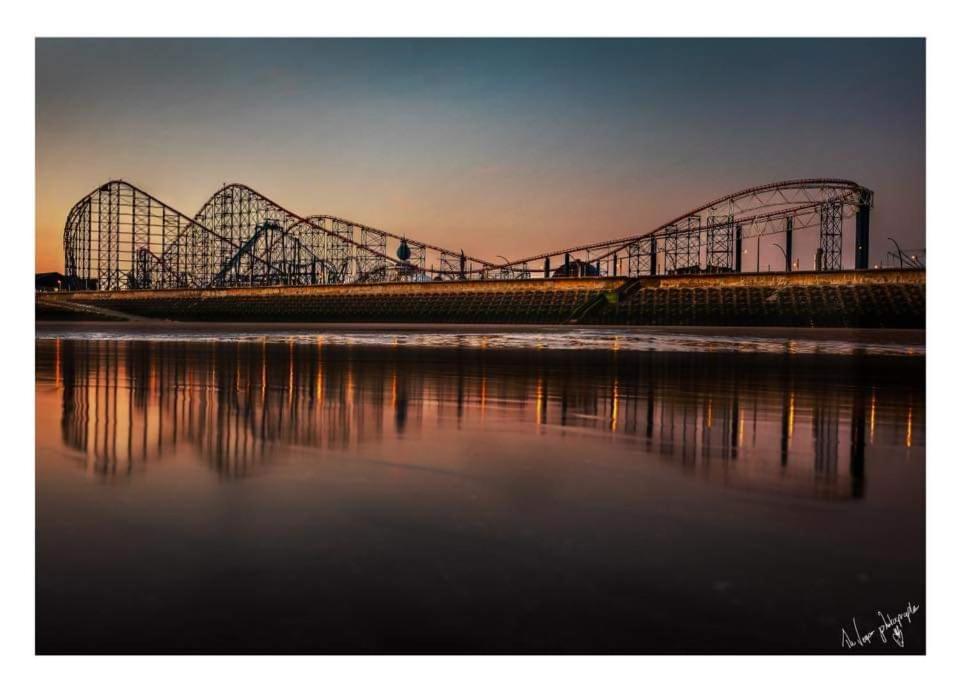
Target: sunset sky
(501, 147)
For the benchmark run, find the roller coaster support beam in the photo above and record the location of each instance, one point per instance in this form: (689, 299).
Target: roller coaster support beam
(863, 237)
(789, 243)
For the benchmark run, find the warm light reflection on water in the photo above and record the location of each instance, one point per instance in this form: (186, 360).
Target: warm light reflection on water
(668, 456)
(237, 405)
(790, 341)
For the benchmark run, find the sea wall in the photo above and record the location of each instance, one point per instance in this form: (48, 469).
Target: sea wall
(876, 298)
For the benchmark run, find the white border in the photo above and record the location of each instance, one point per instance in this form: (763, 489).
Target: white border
(496, 18)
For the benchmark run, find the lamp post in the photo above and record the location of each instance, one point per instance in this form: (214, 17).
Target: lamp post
(786, 260)
(899, 252)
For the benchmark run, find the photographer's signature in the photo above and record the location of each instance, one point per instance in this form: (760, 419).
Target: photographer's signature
(890, 629)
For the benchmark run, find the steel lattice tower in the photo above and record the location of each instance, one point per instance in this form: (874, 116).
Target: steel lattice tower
(720, 243)
(831, 236)
(641, 258)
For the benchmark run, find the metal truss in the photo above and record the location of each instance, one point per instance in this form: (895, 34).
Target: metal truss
(453, 264)
(370, 254)
(831, 237)
(374, 243)
(681, 248)
(338, 251)
(119, 237)
(671, 249)
(512, 272)
(689, 250)
(758, 211)
(642, 257)
(720, 244)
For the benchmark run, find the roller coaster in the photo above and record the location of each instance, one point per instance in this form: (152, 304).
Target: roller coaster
(119, 237)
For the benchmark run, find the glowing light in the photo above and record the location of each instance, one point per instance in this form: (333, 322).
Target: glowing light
(540, 400)
(319, 384)
(393, 389)
(909, 440)
(790, 411)
(350, 388)
(615, 407)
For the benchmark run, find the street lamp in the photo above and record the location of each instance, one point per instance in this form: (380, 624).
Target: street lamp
(899, 252)
(786, 260)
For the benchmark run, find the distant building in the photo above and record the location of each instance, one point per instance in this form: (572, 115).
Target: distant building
(55, 281)
(50, 281)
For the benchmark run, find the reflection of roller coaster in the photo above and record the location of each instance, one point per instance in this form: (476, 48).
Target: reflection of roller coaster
(239, 406)
(119, 237)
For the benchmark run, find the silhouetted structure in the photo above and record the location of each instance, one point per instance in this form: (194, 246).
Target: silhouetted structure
(119, 237)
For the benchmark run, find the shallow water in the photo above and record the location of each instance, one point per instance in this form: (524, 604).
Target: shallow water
(554, 338)
(423, 490)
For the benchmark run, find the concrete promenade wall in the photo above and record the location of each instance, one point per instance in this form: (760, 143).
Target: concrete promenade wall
(867, 299)
(780, 279)
(877, 298)
(403, 289)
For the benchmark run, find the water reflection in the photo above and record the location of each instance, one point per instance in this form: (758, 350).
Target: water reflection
(794, 424)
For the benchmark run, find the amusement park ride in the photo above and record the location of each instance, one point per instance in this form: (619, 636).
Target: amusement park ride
(119, 237)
